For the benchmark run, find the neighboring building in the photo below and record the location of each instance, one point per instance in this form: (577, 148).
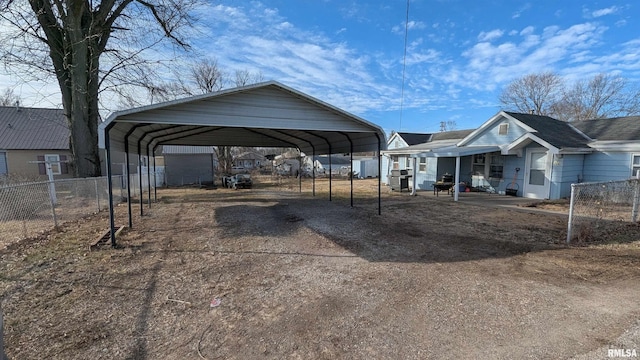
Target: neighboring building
(249, 161)
(30, 137)
(401, 147)
(335, 164)
(365, 166)
(537, 155)
(188, 165)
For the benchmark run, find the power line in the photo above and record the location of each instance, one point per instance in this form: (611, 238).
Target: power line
(404, 63)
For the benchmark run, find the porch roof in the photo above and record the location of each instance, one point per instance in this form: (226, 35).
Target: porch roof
(455, 151)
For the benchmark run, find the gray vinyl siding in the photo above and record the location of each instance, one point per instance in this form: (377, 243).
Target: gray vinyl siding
(386, 169)
(491, 136)
(425, 180)
(512, 179)
(607, 166)
(566, 171)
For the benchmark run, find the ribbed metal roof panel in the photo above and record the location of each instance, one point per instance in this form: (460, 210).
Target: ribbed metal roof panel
(32, 129)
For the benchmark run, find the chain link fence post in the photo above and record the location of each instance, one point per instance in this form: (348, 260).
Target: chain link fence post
(97, 193)
(636, 199)
(571, 207)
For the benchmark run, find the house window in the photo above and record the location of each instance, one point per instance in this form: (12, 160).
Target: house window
(395, 164)
(496, 166)
(635, 166)
(503, 129)
(478, 164)
(408, 163)
(422, 166)
(54, 161)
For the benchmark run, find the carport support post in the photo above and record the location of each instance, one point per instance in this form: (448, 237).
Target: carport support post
(112, 226)
(351, 159)
(140, 178)
(148, 178)
(456, 188)
(300, 171)
(155, 175)
(127, 175)
(313, 171)
(330, 177)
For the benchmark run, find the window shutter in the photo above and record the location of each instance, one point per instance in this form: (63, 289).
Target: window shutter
(42, 168)
(64, 167)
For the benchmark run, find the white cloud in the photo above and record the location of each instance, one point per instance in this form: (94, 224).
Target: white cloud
(519, 12)
(605, 11)
(490, 64)
(491, 35)
(306, 60)
(411, 25)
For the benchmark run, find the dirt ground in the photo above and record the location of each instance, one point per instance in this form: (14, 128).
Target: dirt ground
(299, 277)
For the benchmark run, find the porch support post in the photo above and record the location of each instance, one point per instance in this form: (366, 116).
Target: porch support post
(456, 188)
(414, 180)
(379, 174)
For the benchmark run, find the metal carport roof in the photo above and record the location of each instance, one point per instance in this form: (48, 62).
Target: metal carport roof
(268, 114)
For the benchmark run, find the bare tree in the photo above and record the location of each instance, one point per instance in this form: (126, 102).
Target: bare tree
(533, 93)
(9, 98)
(207, 75)
(448, 125)
(602, 96)
(246, 77)
(88, 47)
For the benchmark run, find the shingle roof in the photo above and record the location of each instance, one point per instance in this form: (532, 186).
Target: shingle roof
(335, 160)
(557, 133)
(249, 155)
(33, 129)
(414, 138)
(621, 128)
(451, 135)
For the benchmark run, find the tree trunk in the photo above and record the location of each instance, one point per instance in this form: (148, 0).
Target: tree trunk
(81, 102)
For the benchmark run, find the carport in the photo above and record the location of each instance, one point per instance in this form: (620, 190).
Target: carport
(268, 114)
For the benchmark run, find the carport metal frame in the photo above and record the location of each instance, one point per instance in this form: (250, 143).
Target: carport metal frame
(268, 114)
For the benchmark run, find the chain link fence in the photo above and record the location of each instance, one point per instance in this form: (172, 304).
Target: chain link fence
(27, 210)
(596, 207)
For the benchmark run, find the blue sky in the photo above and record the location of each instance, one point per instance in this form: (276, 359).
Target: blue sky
(459, 55)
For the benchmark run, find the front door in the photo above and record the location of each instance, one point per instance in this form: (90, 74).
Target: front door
(536, 177)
